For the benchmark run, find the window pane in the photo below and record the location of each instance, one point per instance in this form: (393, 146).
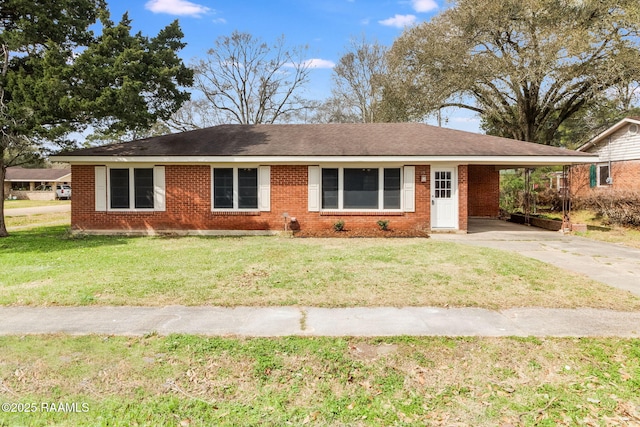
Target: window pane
(392, 189)
(119, 188)
(143, 187)
(361, 188)
(329, 188)
(248, 188)
(604, 174)
(223, 188)
(443, 185)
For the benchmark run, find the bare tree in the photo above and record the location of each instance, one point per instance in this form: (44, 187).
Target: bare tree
(331, 110)
(194, 114)
(358, 77)
(245, 80)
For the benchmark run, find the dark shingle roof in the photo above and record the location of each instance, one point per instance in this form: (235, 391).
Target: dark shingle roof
(376, 139)
(25, 174)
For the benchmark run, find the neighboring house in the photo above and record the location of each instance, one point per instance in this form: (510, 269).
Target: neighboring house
(618, 164)
(34, 184)
(255, 178)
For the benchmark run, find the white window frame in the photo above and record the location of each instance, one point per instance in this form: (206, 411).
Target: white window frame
(598, 168)
(380, 169)
(132, 194)
(263, 188)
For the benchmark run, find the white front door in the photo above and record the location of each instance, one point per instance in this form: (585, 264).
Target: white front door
(444, 198)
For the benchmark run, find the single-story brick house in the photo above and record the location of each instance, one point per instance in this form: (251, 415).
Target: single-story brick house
(255, 178)
(618, 163)
(34, 183)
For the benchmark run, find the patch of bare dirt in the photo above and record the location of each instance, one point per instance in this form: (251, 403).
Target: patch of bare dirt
(365, 351)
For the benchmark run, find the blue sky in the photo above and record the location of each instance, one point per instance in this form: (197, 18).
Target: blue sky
(324, 25)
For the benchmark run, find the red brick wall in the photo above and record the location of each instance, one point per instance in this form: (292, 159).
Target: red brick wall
(625, 175)
(484, 191)
(188, 205)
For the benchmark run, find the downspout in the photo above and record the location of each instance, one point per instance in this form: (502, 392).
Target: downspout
(610, 177)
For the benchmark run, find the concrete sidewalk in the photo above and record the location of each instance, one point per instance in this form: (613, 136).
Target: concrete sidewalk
(309, 321)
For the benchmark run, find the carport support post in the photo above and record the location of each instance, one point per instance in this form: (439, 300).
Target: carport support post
(566, 200)
(527, 196)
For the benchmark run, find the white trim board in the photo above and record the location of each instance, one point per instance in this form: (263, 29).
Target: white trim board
(307, 160)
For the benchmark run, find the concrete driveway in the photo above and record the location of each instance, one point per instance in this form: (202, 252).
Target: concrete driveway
(612, 264)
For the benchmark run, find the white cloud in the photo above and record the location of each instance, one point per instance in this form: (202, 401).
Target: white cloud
(424, 5)
(176, 7)
(319, 63)
(219, 21)
(399, 21)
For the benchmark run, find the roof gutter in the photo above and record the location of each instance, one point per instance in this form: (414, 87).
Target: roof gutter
(479, 160)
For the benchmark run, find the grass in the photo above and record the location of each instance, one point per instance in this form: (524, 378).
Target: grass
(15, 223)
(600, 230)
(46, 266)
(25, 222)
(192, 381)
(15, 204)
(603, 232)
(624, 236)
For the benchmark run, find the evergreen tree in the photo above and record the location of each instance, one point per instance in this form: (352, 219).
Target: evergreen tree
(57, 76)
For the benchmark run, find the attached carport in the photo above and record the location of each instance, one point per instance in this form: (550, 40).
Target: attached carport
(482, 195)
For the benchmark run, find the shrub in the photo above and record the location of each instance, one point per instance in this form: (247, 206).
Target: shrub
(338, 225)
(513, 194)
(615, 207)
(511, 191)
(550, 199)
(383, 224)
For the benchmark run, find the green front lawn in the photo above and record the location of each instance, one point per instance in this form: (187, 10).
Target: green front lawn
(24, 222)
(46, 266)
(194, 381)
(15, 204)
(601, 230)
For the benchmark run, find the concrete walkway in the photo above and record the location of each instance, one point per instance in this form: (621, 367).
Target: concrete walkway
(306, 321)
(612, 264)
